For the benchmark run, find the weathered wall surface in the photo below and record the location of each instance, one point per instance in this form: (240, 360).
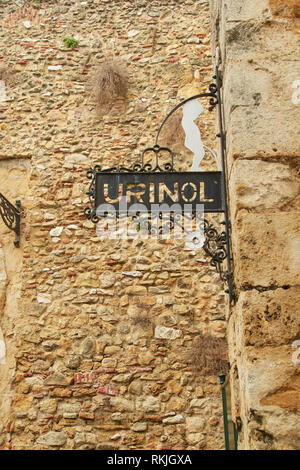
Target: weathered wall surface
(254, 45)
(14, 178)
(100, 341)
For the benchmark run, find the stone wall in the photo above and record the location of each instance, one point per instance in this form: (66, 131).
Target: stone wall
(254, 45)
(14, 179)
(99, 334)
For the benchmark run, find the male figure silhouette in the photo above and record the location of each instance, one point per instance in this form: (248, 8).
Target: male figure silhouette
(191, 110)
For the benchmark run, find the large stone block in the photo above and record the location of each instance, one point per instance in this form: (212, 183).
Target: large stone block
(244, 85)
(267, 318)
(266, 249)
(264, 372)
(264, 131)
(270, 86)
(148, 404)
(271, 388)
(195, 424)
(260, 185)
(238, 10)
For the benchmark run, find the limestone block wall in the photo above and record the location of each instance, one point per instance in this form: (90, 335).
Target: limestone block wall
(254, 44)
(100, 334)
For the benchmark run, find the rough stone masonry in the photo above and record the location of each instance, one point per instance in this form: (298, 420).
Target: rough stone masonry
(97, 335)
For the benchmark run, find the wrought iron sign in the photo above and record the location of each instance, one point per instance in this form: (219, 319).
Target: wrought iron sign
(155, 183)
(11, 216)
(154, 188)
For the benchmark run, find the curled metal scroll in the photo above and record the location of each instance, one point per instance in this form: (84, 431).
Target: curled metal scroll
(11, 216)
(213, 101)
(157, 150)
(215, 247)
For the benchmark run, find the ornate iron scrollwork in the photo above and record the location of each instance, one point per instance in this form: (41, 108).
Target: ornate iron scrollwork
(142, 167)
(212, 94)
(169, 166)
(89, 211)
(11, 216)
(215, 246)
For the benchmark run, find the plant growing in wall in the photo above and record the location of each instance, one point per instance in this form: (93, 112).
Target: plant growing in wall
(71, 43)
(110, 84)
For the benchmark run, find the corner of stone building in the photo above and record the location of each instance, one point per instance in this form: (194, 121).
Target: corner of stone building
(260, 112)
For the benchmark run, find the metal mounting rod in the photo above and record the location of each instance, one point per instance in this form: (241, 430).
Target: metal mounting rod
(222, 378)
(221, 135)
(11, 216)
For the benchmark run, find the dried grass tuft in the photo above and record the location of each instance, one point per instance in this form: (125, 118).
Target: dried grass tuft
(110, 83)
(208, 355)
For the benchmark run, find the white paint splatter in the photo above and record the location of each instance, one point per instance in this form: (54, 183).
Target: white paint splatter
(195, 240)
(2, 92)
(296, 354)
(296, 94)
(2, 352)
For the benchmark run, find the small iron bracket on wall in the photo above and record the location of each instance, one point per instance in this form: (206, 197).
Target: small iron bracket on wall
(11, 216)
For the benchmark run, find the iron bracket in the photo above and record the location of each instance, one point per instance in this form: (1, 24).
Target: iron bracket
(11, 216)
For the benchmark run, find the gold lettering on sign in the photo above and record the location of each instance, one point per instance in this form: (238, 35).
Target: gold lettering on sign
(151, 192)
(137, 194)
(164, 189)
(194, 195)
(106, 196)
(202, 197)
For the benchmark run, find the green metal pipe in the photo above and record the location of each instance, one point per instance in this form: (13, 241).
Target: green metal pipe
(235, 437)
(222, 378)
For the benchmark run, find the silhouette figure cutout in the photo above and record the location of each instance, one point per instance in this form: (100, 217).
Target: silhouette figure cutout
(191, 111)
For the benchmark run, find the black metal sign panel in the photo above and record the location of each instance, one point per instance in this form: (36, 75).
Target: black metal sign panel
(149, 188)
